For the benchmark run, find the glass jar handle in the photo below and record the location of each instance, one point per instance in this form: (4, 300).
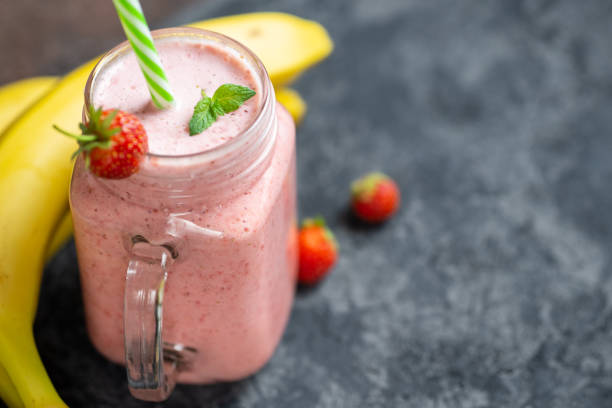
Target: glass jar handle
(151, 374)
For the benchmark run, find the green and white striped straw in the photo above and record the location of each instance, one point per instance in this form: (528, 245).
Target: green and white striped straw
(138, 34)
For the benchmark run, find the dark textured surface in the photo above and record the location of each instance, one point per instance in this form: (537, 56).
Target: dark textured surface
(492, 286)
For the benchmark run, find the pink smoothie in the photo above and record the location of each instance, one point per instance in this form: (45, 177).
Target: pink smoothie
(229, 213)
(190, 68)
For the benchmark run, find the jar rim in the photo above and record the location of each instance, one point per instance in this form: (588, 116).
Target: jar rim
(191, 32)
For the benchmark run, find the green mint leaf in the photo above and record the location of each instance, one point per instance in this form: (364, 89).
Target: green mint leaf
(215, 107)
(229, 97)
(202, 116)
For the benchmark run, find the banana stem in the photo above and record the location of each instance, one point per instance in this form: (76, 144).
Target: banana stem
(22, 363)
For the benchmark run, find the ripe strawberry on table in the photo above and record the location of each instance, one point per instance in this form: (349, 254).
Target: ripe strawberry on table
(113, 143)
(318, 250)
(375, 197)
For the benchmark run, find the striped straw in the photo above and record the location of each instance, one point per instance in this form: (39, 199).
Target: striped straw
(138, 34)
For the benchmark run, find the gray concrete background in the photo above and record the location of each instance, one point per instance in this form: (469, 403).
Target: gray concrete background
(492, 286)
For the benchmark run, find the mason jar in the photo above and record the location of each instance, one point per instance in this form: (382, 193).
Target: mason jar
(204, 243)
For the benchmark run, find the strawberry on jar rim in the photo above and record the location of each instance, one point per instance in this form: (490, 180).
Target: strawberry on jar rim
(113, 143)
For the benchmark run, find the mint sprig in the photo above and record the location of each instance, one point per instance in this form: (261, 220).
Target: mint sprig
(227, 98)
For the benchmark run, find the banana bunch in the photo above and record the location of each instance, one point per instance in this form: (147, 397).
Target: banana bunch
(35, 172)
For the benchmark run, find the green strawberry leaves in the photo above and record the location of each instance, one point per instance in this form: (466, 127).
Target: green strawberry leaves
(97, 132)
(227, 98)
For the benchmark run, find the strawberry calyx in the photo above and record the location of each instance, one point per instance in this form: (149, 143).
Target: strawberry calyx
(96, 133)
(319, 222)
(365, 187)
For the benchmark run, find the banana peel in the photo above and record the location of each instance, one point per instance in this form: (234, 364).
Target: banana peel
(8, 392)
(14, 99)
(293, 102)
(27, 222)
(17, 96)
(62, 233)
(23, 354)
(287, 45)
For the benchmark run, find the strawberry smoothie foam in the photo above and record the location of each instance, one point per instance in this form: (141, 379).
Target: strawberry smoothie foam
(223, 201)
(191, 68)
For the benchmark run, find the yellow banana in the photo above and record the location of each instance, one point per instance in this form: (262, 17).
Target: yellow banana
(62, 233)
(14, 99)
(287, 45)
(293, 102)
(8, 392)
(17, 96)
(33, 155)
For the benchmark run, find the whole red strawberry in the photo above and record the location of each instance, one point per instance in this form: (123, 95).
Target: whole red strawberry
(113, 143)
(318, 251)
(375, 197)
